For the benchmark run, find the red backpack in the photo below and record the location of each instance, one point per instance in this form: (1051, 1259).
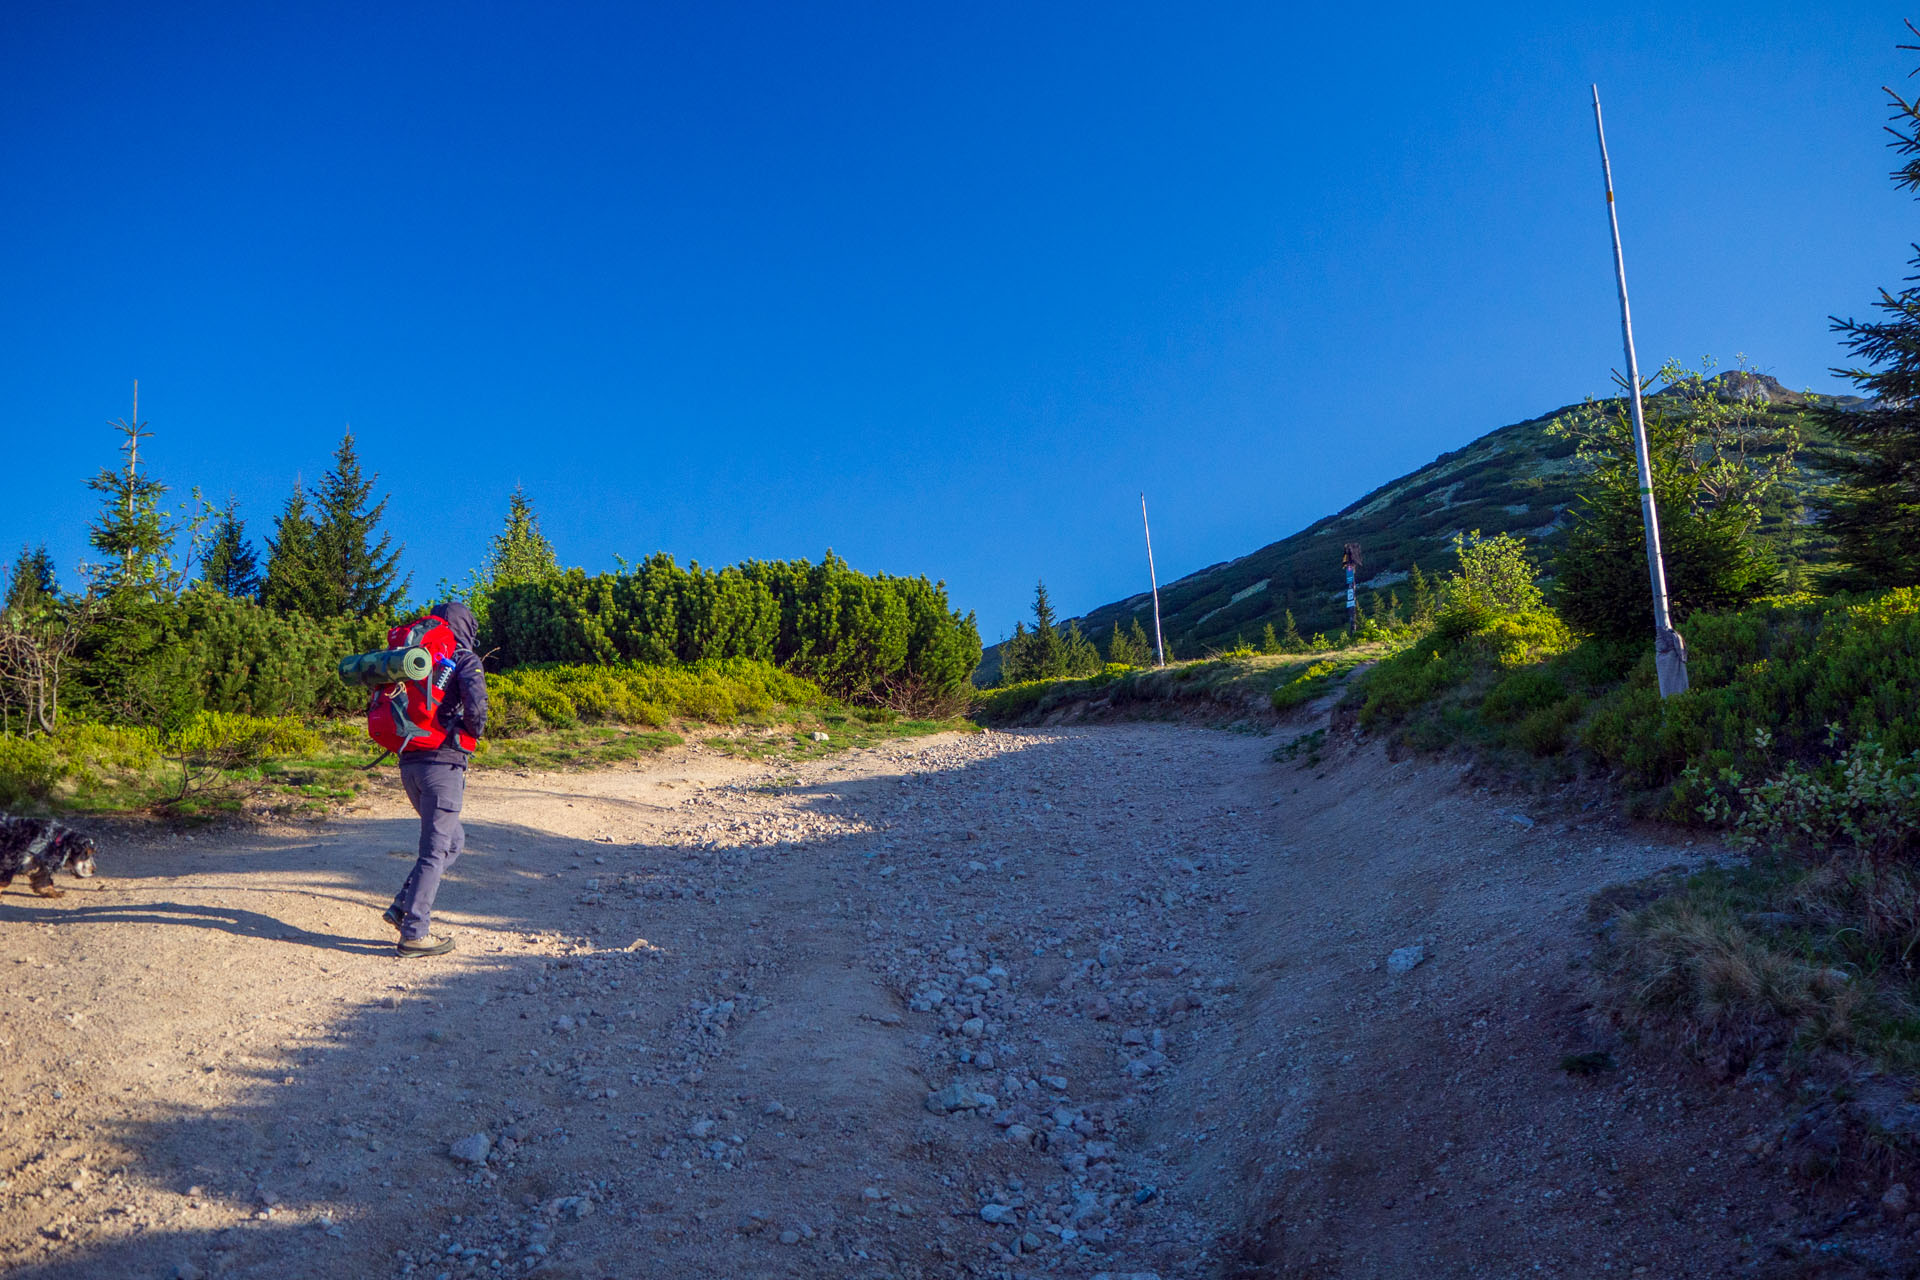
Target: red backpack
(405, 716)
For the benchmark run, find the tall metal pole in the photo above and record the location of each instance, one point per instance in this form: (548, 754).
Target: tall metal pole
(1669, 651)
(1159, 649)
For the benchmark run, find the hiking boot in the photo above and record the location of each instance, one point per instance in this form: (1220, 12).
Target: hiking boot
(427, 946)
(392, 916)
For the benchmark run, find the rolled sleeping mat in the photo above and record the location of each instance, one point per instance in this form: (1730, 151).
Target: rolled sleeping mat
(386, 666)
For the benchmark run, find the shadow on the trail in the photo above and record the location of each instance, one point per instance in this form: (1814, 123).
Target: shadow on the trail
(354, 1114)
(245, 924)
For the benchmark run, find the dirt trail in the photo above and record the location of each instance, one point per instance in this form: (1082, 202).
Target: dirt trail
(1064, 1002)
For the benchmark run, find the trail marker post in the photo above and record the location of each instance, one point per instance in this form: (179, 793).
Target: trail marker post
(1669, 650)
(1350, 561)
(1159, 649)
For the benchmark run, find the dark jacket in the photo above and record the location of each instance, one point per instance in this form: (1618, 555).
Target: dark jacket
(465, 709)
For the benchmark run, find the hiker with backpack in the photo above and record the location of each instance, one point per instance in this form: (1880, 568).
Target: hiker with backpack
(433, 724)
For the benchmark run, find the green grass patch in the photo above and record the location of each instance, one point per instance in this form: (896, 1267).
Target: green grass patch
(1318, 678)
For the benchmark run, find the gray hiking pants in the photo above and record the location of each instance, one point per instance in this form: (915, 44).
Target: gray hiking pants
(437, 791)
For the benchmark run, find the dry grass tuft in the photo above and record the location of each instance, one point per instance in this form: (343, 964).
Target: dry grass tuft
(1693, 967)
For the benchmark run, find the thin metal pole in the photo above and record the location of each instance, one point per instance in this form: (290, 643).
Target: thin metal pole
(1159, 649)
(1669, 652)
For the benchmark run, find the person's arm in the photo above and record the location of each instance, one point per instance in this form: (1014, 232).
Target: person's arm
(473, 694)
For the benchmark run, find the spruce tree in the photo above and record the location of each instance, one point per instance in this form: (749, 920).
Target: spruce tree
(231, 565)
(1137, 637)
(1044, 653)
(519, 552)
(32, 582)
(1044, 647)
(292, 583)
(1269, 642)
(1711, 483)
(130, 530)
(1873, 509)
(1078, 657)
(357, 572)
(1290, 639)
(1422, 592)
(1015, 664)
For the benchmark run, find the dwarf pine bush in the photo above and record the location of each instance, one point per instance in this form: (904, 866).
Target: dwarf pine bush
(875, 638)
(29, 770)
(561, 696)
(1799, 674)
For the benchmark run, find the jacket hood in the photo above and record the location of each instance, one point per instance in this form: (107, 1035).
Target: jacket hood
(460, 621)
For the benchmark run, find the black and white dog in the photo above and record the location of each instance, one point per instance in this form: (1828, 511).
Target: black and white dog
(39, 847)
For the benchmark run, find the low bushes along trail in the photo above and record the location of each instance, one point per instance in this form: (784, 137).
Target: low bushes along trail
(1065, 1002)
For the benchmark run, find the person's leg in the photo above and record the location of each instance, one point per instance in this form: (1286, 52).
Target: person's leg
(437, 791)
(410, 781)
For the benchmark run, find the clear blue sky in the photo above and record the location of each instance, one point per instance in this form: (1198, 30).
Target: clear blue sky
(943, 290)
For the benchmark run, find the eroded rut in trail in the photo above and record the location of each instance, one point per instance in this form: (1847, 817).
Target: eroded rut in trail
(1063, 1002)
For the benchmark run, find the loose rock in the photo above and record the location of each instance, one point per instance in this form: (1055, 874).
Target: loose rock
(1406, 959)
(957, 1097)
(472, 1149)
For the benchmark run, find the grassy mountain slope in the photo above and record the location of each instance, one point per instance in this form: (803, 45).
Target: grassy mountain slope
(1517, 479)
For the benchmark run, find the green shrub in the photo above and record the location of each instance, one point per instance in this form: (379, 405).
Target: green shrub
(1521, 639)
(877, 638)
(1863, 804)
(121, 748)
(158, 662)
(561, 696)
(1716, 462)
(29, 770)
(1714, 560)
(1786, 679)
(1522, 693)
(236, 741)
(134, 764)
(530, 698)
(1495, 580)
(1408, 680)
(1547, 730)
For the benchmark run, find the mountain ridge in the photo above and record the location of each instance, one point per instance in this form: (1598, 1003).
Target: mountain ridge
(1513, 479)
